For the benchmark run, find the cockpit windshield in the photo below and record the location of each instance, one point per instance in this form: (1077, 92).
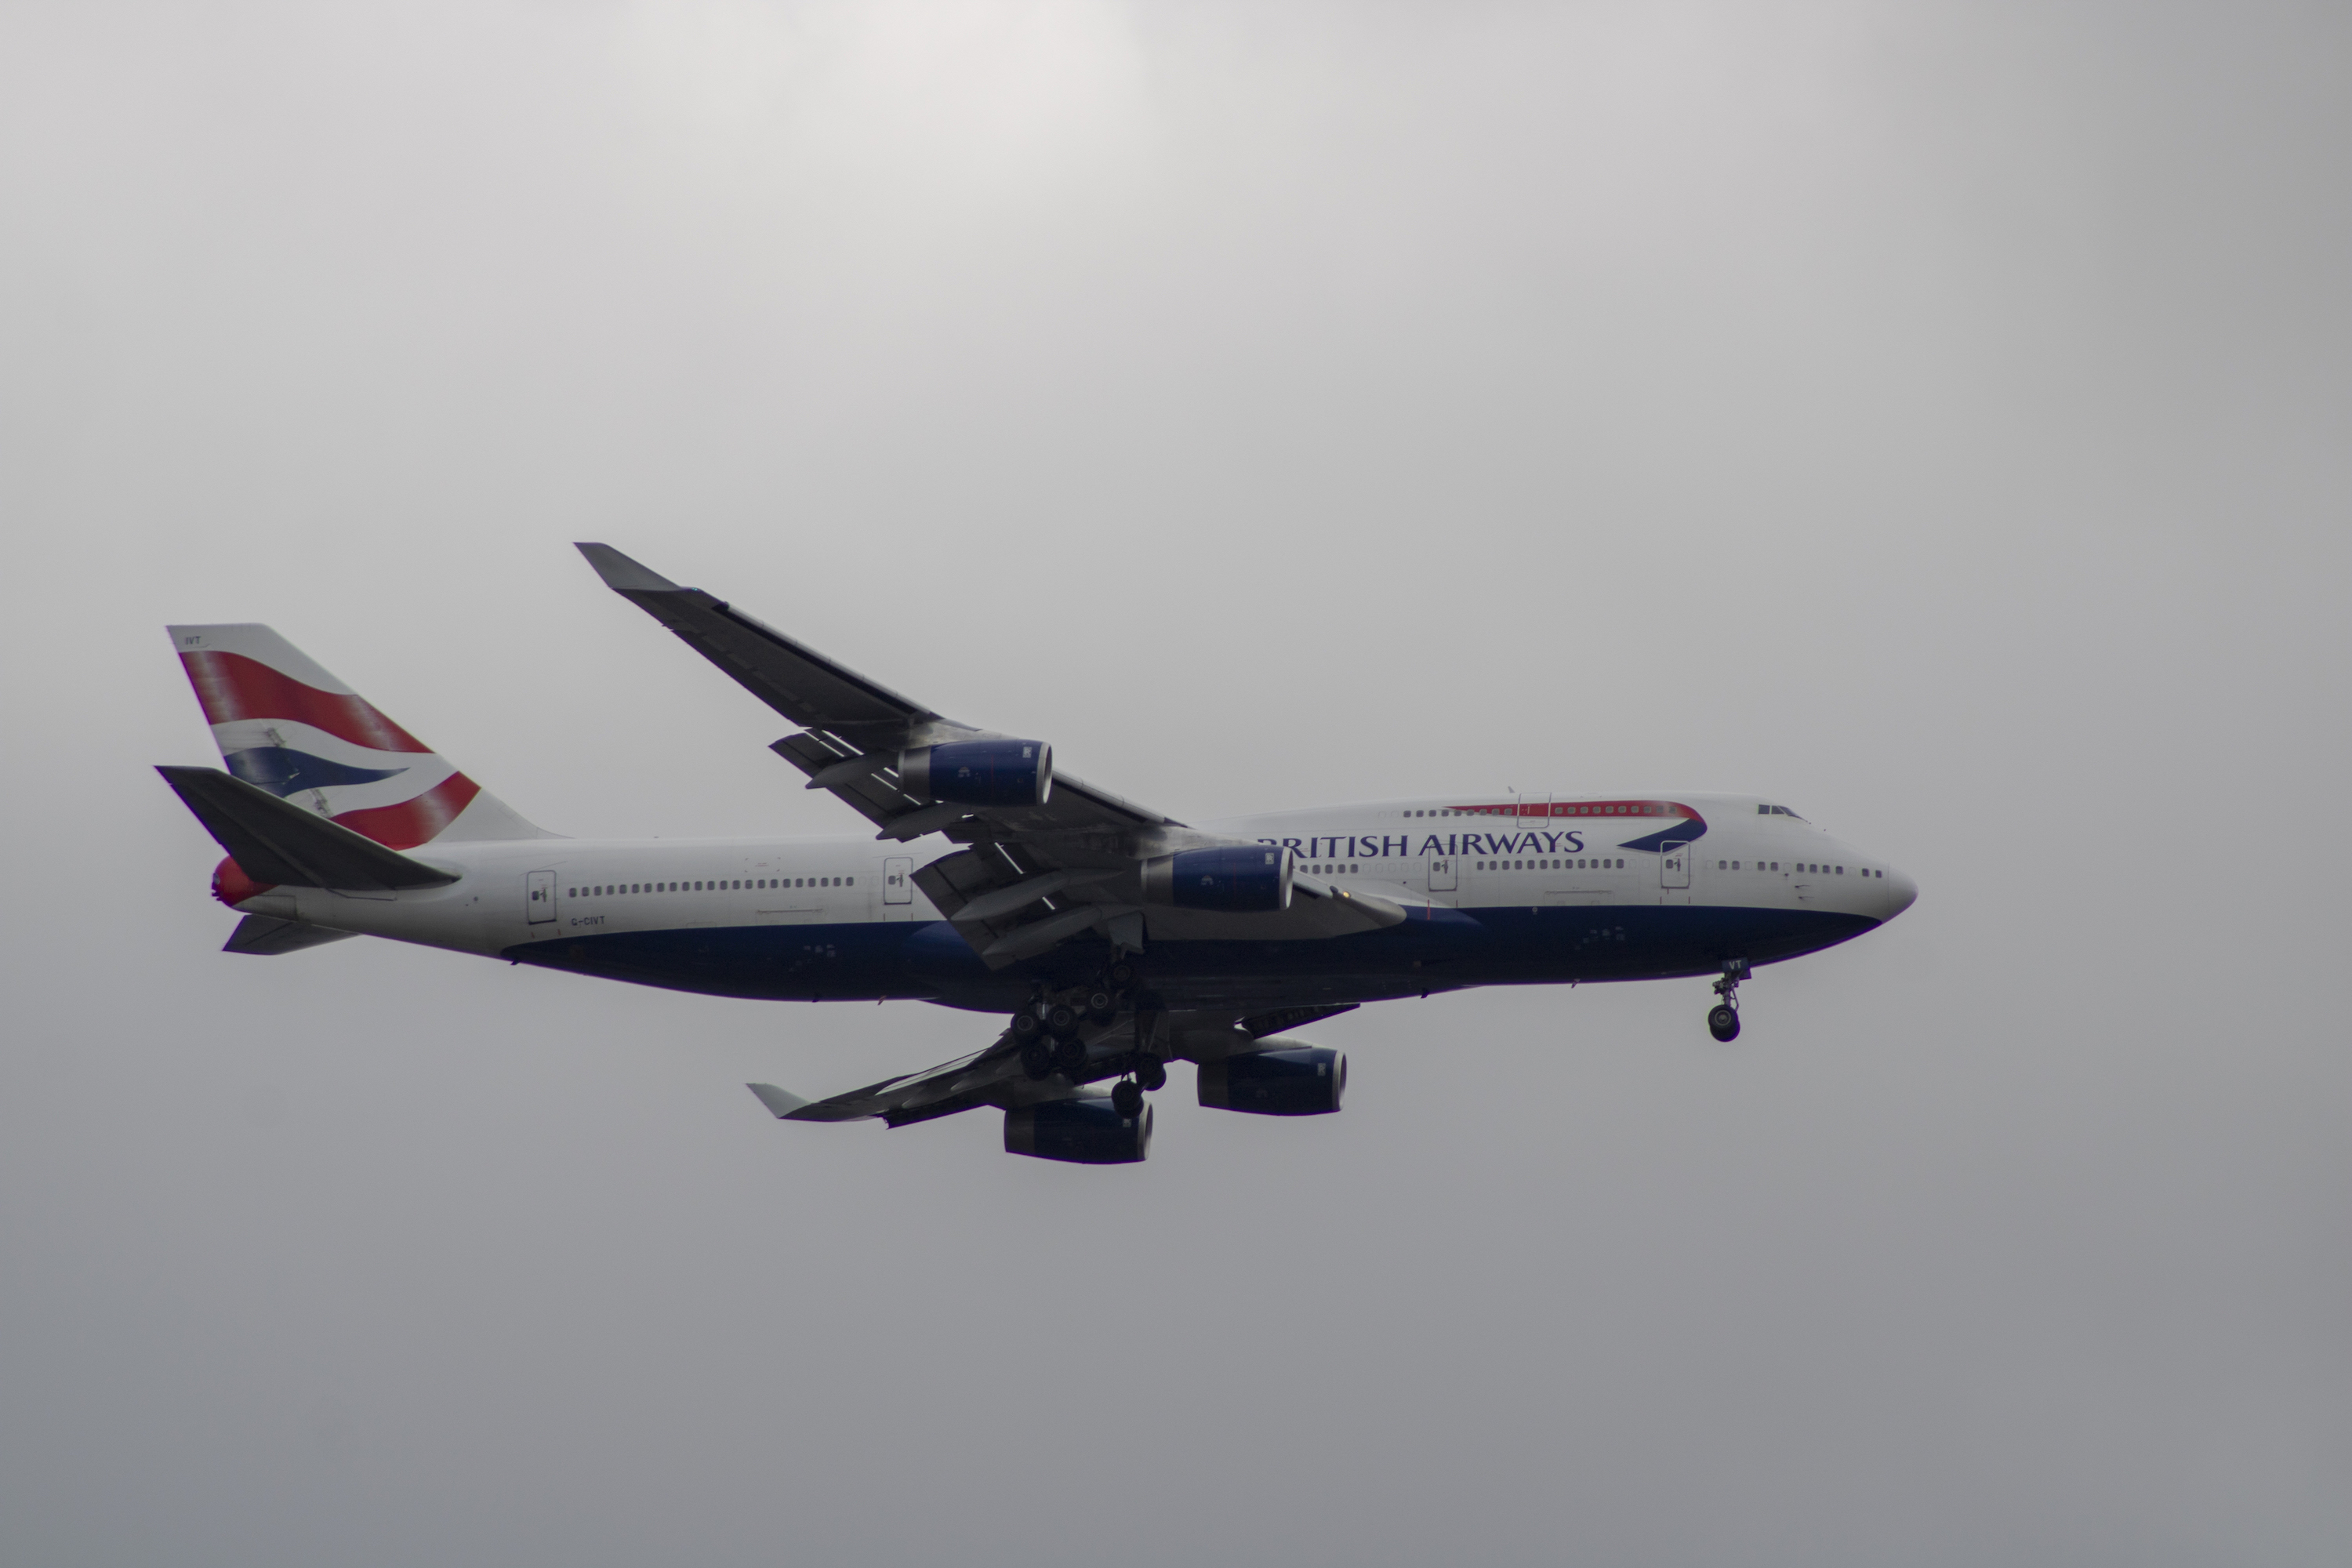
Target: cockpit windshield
(1776, 811)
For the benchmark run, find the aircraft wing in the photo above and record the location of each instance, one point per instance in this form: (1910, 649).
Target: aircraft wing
(994, 1075)
(988, 1076)
(852, 729)
(1030, 877)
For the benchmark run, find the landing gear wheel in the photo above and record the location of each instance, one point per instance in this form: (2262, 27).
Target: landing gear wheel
(1025, 1027)
(1070, 1057)
(1152, 1074)
(1122, 974)
(1038, 1060)
(1723, 1019)
(1128, 1097)
(1062, 1021)
(1101, 1007)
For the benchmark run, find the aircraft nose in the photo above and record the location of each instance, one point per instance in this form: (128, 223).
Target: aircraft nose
(1899, 893)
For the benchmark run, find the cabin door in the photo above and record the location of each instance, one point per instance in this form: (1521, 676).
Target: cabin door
(1674, 865)
(538, 896)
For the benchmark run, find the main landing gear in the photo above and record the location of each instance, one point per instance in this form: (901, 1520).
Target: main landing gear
(1050, 1030)
(1723, 1018)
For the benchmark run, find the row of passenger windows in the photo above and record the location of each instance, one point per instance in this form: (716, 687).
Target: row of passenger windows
(753, 884)
(1586, 865)
(1809, 868)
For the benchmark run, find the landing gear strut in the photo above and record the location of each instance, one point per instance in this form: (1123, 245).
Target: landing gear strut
(1723, 1018)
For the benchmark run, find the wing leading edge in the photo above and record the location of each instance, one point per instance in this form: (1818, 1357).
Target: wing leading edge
(853, 730)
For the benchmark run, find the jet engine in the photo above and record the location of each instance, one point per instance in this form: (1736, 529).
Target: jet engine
(1088, 1131)
(1242, 878)
(1285, 1079)
(979, 772)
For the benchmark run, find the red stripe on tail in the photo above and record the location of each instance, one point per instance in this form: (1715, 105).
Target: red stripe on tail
(414, 822)
(231, 686)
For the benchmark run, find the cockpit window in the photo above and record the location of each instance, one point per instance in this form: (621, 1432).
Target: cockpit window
(1776, 811)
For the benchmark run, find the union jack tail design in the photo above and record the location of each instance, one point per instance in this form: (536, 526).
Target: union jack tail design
(285, 725)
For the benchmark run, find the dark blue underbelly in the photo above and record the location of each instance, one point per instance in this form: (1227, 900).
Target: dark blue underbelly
(1442, 950)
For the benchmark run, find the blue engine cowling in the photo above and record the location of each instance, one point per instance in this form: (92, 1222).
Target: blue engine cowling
(1088, 1131)
(1251, 878)
(1282, 1080)
(979, 772)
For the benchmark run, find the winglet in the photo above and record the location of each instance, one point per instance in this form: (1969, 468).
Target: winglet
(622, 575)
(774, 1098)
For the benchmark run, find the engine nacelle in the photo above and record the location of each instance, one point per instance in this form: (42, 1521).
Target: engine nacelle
(979, 772)
(1088, 1131)
(1284, 1080)
(1251, 879)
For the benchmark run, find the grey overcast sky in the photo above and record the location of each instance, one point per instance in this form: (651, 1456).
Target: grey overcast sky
(1934, 415)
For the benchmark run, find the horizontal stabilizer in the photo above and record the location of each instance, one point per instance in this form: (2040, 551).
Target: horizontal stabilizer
(262, 934)
(277, 842)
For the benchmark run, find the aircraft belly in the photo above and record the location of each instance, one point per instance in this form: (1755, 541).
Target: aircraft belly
(1437, 950)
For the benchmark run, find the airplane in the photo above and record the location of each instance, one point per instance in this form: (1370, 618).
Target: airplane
(1110, 939)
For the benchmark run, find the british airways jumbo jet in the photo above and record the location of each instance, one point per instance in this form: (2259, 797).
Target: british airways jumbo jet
(1113, 940)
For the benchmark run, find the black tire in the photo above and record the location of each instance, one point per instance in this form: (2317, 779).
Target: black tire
(1127, 1098)
(1122, 974)
(1061, 1020)
(1025, 1027)
(1723, 1023)
(1151, 1074)
(1101, 1007)
(1070, 1057)
(1037, 1059)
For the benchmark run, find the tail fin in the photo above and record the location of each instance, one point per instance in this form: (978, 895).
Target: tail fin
(285, 725)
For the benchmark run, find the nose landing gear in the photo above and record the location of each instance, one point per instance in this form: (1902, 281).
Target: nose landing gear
(1723, 1018)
